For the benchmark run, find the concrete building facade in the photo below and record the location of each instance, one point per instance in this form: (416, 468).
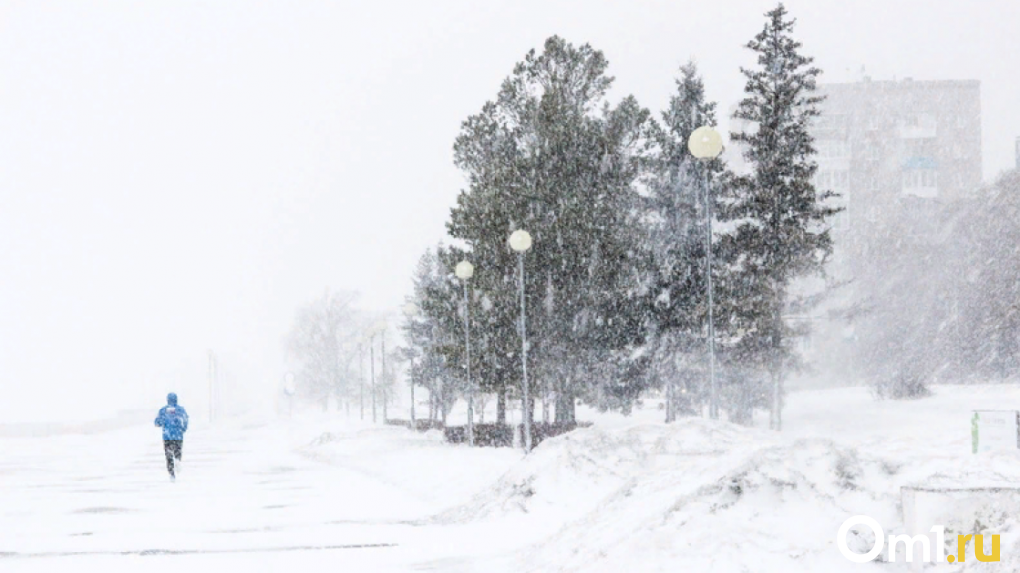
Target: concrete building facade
(895, 152)
(897, 146)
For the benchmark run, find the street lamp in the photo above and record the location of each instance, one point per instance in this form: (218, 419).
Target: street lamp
(361, 378)
(520, 241)
(375, 331)
(464, 271)
(410, 311)
(705, 144)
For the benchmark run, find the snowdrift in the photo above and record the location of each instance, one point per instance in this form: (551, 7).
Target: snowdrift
(703, 495)
(757, 507)
(569, 475)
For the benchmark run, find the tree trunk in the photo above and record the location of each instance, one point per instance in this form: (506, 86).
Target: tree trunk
(776, 418)
(501, 408)
(565, 410)
(432, 403)
(742, 412)
(531, 408)
(683, 399)
(670, 401)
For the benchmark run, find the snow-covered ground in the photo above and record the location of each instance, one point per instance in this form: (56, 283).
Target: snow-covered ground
(630, 494)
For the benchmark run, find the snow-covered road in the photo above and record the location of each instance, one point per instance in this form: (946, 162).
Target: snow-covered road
(247, 497)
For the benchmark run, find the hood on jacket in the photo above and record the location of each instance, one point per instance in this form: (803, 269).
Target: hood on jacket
(171, 399)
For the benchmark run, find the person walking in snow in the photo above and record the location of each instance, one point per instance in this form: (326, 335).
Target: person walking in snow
(173, 418)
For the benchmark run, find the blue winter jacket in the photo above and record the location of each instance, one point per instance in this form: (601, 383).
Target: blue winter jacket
(173, 419)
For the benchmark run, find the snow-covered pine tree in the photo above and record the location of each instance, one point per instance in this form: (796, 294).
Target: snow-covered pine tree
(432, 335)
(989, 285)
(677, 230)
(989, 318)
(551, 156)
(780, 232)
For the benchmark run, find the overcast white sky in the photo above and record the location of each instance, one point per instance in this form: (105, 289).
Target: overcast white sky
(177, 176)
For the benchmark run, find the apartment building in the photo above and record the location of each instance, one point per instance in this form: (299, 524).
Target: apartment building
(898, 147)
(894, 151)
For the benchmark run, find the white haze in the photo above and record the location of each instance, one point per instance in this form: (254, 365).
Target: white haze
(179, 176)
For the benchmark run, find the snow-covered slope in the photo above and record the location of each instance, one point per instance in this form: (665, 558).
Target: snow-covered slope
(702, 495)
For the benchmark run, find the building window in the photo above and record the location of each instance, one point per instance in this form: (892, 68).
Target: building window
(918, 179)
(918, 126)
(823, 180)
(842, 220)
(832, 122)
(840, 179)
(832, 181)
(915, 179)
(833, 149)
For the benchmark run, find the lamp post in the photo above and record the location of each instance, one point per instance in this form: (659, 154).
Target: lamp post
(385, 394)
(371, 370)
(376, 330)
(410, 311)
(361, 378)
(464, 271)
(520, 241)
(705, 144)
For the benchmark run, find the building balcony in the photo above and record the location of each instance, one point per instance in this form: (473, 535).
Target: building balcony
(922, 126)
(924, 192)
(917, 132)
(921, 177)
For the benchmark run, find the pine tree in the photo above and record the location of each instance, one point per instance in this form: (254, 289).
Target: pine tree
(779, 216)
(430, 334)
(551, 156)
(677, 238)
(944, 306)
(988, 281)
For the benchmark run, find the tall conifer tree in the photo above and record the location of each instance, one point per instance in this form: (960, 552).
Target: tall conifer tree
(780, 229)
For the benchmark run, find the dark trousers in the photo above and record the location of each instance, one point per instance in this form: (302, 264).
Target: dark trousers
(172, 449)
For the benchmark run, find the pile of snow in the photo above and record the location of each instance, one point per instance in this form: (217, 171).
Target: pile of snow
(757, 507)
(566, 476)
(705, 495)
